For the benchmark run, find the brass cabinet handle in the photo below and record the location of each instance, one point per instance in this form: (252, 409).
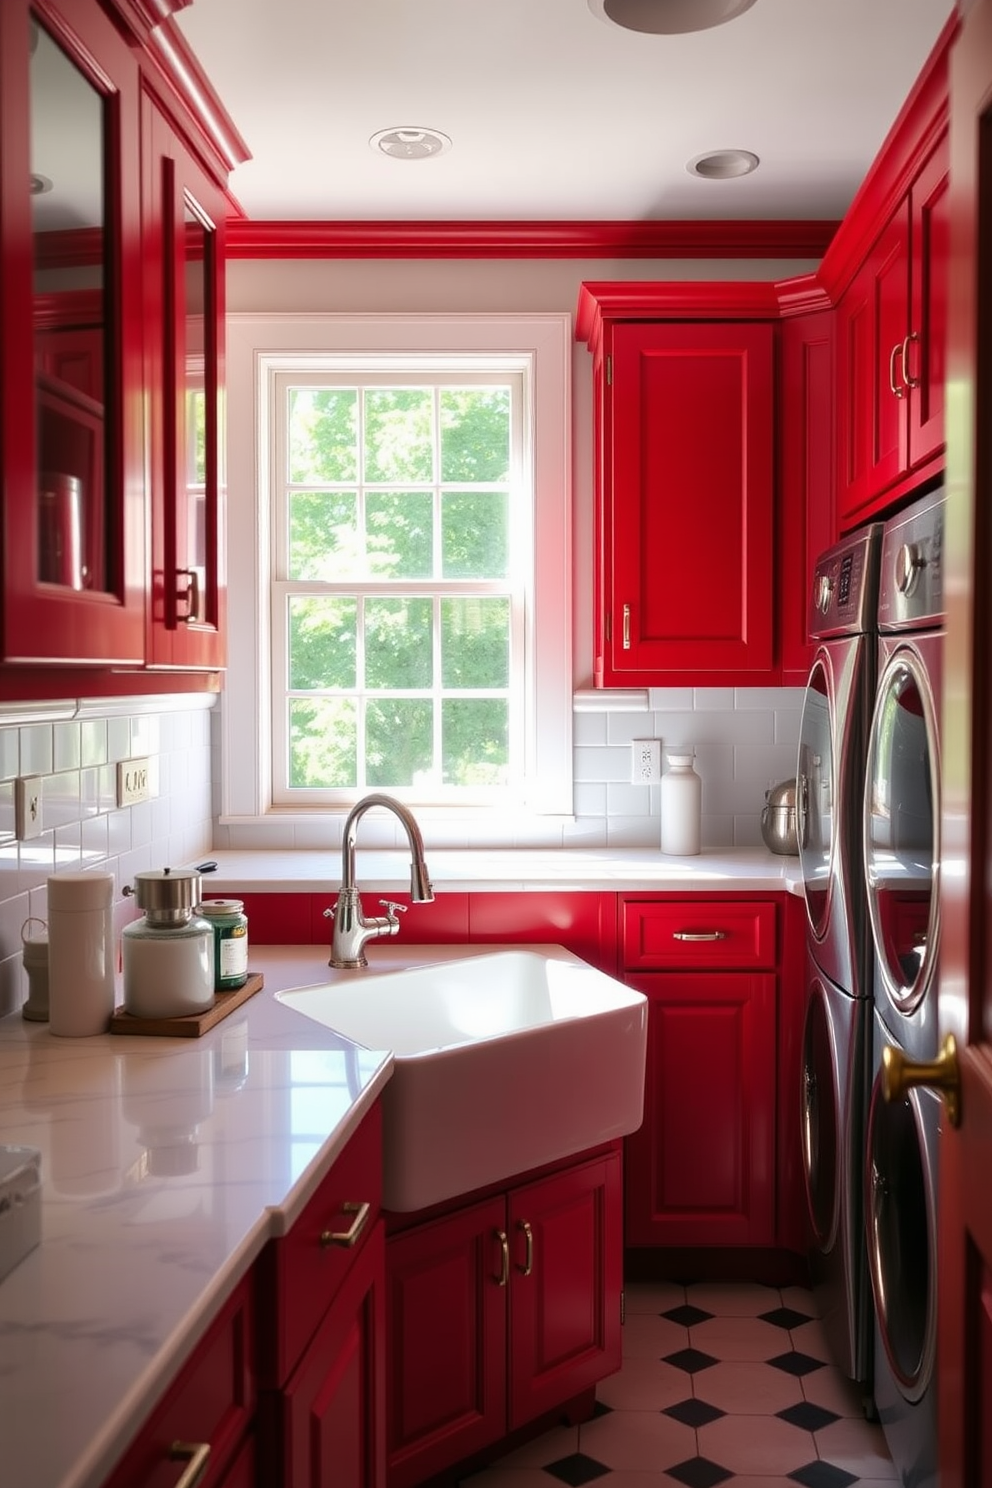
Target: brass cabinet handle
(900, 392)
(528, 1264)
(349, 1236)
(943, 1073)
(197, 1454)
(626, 627)
(699, 934)
(191, 596)
(504, 1255)
(907, 376)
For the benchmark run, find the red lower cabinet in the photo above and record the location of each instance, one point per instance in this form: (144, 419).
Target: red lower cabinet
(500, 1312)
(334, 1400)
(702, 1168)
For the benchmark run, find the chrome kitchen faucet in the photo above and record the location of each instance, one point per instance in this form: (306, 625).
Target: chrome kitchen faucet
(351, 929)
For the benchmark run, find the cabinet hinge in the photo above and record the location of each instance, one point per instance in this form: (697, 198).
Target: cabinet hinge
(623, 1307)
(609, 370)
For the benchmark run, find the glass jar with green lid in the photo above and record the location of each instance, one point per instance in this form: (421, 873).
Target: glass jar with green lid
(230, 927)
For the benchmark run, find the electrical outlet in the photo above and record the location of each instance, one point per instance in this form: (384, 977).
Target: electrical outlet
(27, 807)
(645, 761)
(137, 780)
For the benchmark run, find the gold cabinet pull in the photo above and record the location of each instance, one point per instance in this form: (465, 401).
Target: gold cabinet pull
(626, 627)
(528, 1264)
(900, 392)
(899, 1074)
(907, 376)
(699, 934)
(349, 1236)
(504, 1257)
(197, 1454)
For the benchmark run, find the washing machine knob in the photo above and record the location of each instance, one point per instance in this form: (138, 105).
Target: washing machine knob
(909, 563)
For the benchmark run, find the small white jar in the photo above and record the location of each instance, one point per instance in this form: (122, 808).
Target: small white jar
(681, 806)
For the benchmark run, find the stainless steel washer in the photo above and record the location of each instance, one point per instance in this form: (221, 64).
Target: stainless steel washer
(901, 1213)
(836, 1053)
(901, 857)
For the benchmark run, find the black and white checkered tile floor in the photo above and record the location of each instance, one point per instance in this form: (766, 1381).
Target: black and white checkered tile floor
(722, 1384)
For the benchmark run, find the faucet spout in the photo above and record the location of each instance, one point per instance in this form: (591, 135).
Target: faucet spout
(351, 929)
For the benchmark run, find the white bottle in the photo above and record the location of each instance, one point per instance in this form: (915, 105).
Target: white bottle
(681, 806)
(80, 953)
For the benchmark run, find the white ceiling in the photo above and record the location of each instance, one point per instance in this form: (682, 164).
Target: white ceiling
(554, 113)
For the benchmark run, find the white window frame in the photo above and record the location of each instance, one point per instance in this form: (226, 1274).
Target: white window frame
(257, 343)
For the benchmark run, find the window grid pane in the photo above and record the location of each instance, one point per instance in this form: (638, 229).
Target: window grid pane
(428, 673)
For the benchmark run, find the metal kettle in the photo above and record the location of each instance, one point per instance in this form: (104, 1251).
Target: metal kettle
(778, 819)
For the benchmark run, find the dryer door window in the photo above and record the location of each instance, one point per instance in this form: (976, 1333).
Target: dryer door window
(901, 811)
(815, 784)
(820, 1117)
(899, 1211)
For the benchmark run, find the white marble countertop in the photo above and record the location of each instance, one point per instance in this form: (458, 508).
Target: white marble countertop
(166, 1164)
(507, 869)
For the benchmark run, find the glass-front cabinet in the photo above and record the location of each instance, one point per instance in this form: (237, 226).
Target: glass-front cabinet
(112, 209)
(72, 427)
(183, 216)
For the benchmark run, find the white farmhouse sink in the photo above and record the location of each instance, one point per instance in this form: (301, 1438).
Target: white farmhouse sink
(503, 1061)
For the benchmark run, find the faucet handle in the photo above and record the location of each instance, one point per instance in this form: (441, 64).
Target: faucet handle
(392, 908)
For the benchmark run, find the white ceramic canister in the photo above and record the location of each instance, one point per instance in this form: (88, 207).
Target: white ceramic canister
(681, 806)
(168, 955)
(80, 953)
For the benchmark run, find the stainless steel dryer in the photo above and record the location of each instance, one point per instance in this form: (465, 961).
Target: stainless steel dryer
(901, 853)
(836, 1035)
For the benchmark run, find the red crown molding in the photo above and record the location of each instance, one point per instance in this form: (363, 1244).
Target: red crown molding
(69, 308)
(730, 299)
(249, 238)
(194, 92)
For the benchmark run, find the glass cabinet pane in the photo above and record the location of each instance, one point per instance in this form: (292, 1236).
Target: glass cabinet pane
(70, 238)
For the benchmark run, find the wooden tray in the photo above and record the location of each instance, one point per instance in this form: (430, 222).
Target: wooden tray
(190, 1025)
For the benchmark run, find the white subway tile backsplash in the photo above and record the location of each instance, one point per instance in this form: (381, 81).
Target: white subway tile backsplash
(9, 753)
(707, 699)
(36, 749)
(118, 738)
(66, 750)
(93, 741)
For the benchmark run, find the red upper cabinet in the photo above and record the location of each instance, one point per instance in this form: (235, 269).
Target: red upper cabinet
(70, 425)
(891, 332)
(685, 494)
(807, 479)
(183, 212)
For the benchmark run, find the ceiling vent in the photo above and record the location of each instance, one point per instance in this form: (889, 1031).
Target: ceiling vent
(410, 143)
(668, 17)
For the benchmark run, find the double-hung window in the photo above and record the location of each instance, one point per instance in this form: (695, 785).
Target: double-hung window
(414, 565)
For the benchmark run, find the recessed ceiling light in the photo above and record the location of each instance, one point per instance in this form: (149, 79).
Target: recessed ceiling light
(722, 165)
(668, 17)
(40, 185)
(410, 143)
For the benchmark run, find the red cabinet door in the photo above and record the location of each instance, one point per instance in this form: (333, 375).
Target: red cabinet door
(566, 1247)
(446, 1319)
(73, 588)
(807, 445)
(701, 1168)
(334, 1403)
(183, 214)
(926, 353)
(690, 503)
